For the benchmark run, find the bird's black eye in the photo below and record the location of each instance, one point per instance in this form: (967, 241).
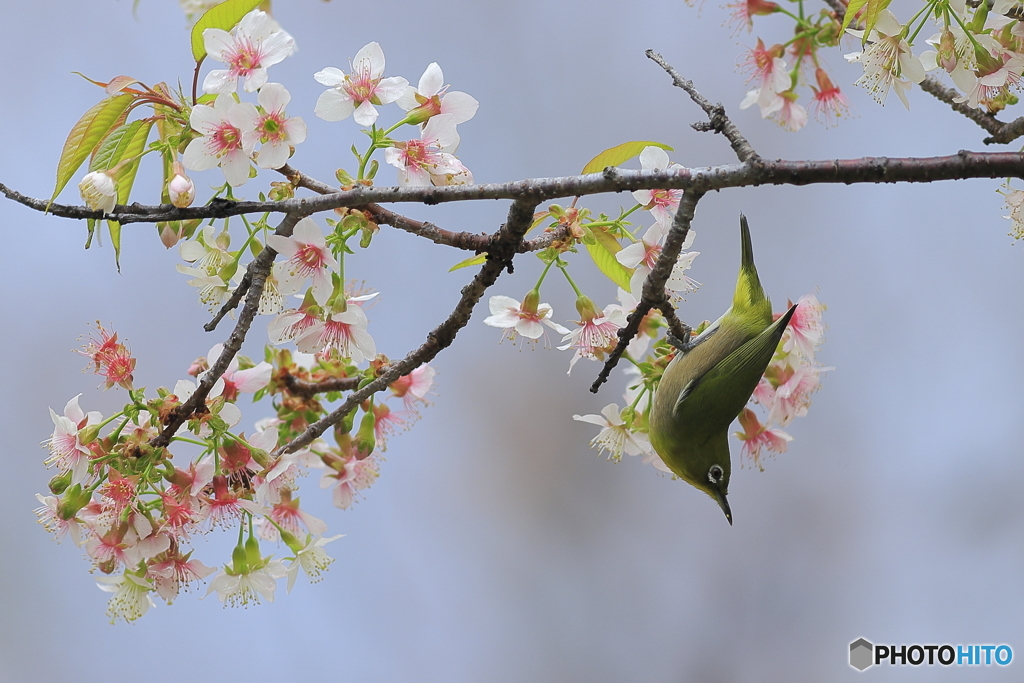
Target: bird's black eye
(715, 474)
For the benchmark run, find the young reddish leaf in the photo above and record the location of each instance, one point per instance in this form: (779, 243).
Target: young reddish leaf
(603, 252)
(619, 155)
(90, 130)
(119, 83)
(223, 16)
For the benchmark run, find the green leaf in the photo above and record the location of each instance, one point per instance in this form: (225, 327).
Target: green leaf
(620, 154)
(125, 142)
(90, 130)
(115, 239)
(875, 8)
(477, 260)
(223, 16)
(851, 11)
(603, 252)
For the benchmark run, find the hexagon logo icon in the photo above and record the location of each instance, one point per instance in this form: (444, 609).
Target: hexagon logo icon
(861, 654)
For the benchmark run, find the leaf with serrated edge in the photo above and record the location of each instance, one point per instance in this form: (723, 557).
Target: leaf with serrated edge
(620, 154)
(90, 130)
(223, 16)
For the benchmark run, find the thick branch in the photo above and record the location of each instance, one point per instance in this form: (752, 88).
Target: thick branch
(500, 254)
(720, 123)
(654, 295)
(259, 268)
(960, 166)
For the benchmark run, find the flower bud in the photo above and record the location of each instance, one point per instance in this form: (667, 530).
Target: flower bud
(60, 483)
(182, 191)
(99, 191)
(586, 308)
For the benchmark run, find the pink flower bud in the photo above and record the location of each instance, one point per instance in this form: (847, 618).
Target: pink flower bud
(99, 191)
(182, 191)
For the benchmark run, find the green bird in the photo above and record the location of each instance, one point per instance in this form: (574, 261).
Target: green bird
(711, 379)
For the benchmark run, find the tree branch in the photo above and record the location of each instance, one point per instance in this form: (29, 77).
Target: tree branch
(500, 253)
(653, 295)
(717, 118)
(960, 166)
(260, 268)
(301, 387)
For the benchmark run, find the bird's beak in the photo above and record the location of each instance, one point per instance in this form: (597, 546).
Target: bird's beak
(724, 504)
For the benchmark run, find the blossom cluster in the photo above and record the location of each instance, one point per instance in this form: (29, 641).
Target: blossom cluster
(979, 45)
(135, 507)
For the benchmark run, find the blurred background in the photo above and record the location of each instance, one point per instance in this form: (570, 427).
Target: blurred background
(496, 544)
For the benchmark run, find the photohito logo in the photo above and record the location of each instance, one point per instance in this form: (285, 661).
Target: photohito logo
(863, 654)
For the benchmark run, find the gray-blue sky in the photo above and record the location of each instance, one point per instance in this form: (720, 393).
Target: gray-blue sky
(496, 545)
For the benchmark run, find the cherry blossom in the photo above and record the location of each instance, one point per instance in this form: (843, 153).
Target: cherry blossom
(239, 586)
(99, 191)
(311, 558)
(344, 332)
(414, 387)
(768, 70)
(523, 319)
(641, 257)
(254, 44)
(308, 256)
(426, 162)
(615, 436)
(756, 436)
(66, 448)
(661, 203)
(597, 332)
(431, 98)
(356, 93)
(222, 140)
(274, 129)
(111, 359)
(354, 476)
(131, 597)
(887, 60)
(180, 188)
(829, 103)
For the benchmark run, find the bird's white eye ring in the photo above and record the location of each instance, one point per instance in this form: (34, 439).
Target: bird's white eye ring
(715, 474)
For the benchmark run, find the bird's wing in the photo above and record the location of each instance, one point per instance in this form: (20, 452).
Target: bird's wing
(736, 375)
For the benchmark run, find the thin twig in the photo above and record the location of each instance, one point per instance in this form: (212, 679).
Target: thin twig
(260, 269)
(653, 295)
(717, 117)
(500, 253)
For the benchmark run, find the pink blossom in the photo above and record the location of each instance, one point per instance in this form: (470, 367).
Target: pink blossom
(431, 98)
(175, 571)
(274, 128)
(806, 330)
(756, 436)
(662, 203)
(414, 387)
(344, 332)
(615, 436)
(597, 332)
(523, 319)
(353, 477)
(222, 140)
(308, 256)
(66, 448)
(357, 93)
(254, 44)
(419, 162)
